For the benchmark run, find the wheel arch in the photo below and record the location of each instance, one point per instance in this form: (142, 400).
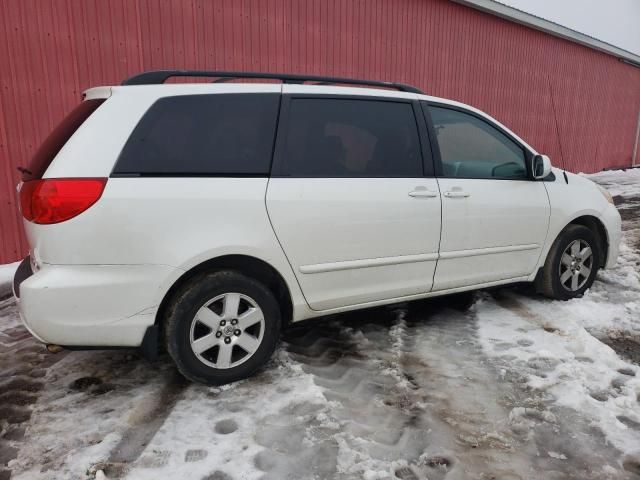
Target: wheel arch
(541, 280)
(246, 264)
(595, 225)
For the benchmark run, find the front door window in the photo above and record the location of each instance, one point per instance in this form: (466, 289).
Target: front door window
(472, 148)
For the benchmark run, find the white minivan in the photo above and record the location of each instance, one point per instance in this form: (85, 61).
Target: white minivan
(204, 217)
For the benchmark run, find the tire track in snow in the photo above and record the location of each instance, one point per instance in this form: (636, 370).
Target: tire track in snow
(20, 383)
(414, 396)
(91, 406)
(355, 371)
(144, 423)
(463, 403)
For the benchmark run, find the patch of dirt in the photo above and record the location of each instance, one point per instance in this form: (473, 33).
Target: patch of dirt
(83, 383)
(626, 345)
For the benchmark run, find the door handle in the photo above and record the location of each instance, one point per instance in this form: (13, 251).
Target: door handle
(422, 192)
(456, 194)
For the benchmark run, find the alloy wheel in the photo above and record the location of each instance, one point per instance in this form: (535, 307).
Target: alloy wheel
(227, 330)
(576, 264)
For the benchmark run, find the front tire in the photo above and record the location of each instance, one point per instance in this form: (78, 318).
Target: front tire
(572, 264)
(221, 327)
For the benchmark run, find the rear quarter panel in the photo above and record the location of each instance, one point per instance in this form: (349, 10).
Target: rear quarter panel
(179, 222)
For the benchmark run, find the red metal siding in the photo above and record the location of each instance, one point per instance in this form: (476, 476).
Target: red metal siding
(51, 51)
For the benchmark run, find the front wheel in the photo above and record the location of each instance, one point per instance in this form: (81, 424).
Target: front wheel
(221, 327)
(572, 263)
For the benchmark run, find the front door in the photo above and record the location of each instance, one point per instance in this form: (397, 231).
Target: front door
(494, 217)
(349, 202)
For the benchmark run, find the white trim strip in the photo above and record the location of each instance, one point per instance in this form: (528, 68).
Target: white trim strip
(422, 257)
(487, 251)
(367, 262)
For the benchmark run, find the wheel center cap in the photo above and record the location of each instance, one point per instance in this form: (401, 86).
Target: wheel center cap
(228, 330)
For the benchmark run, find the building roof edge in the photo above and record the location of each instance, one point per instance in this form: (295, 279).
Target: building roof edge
(552, 28)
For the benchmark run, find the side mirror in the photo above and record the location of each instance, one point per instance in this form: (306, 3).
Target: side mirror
(540, 166)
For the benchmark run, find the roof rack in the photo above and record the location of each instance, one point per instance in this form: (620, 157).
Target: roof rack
(160, 76)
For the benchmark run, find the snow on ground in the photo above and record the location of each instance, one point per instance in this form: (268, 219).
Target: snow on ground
(562, 360)
(619, 182)
(563, 345)
(6, 277)
(517, 387)
(7, 271)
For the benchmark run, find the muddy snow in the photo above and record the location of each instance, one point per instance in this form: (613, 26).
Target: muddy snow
(516, 387)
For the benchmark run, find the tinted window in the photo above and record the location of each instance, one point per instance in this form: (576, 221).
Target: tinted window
(229, 134)
(351, 138)
(57, 139)
(472, 148)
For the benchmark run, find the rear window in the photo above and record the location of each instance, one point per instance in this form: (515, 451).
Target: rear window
(220, 134)
(57, 138)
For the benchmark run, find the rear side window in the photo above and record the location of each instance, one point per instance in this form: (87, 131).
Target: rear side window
(220, 134)
(473, 148)
(57, 138)
(351, 138)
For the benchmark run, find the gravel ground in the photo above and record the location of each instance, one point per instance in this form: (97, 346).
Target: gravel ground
(516, 387)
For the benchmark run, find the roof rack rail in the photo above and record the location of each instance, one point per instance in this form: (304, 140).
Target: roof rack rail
(160, 76)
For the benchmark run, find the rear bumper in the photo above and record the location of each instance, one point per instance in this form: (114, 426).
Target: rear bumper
(90, 305)
(23, 272)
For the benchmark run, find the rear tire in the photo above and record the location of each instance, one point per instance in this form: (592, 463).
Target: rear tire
(572, 264)
(221, 327)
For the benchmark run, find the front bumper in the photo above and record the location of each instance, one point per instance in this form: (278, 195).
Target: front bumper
(613, 224)
(90, 305)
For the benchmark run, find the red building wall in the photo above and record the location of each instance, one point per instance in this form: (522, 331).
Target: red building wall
(51, 51)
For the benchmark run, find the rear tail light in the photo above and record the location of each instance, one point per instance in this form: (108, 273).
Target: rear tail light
(58, 199)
